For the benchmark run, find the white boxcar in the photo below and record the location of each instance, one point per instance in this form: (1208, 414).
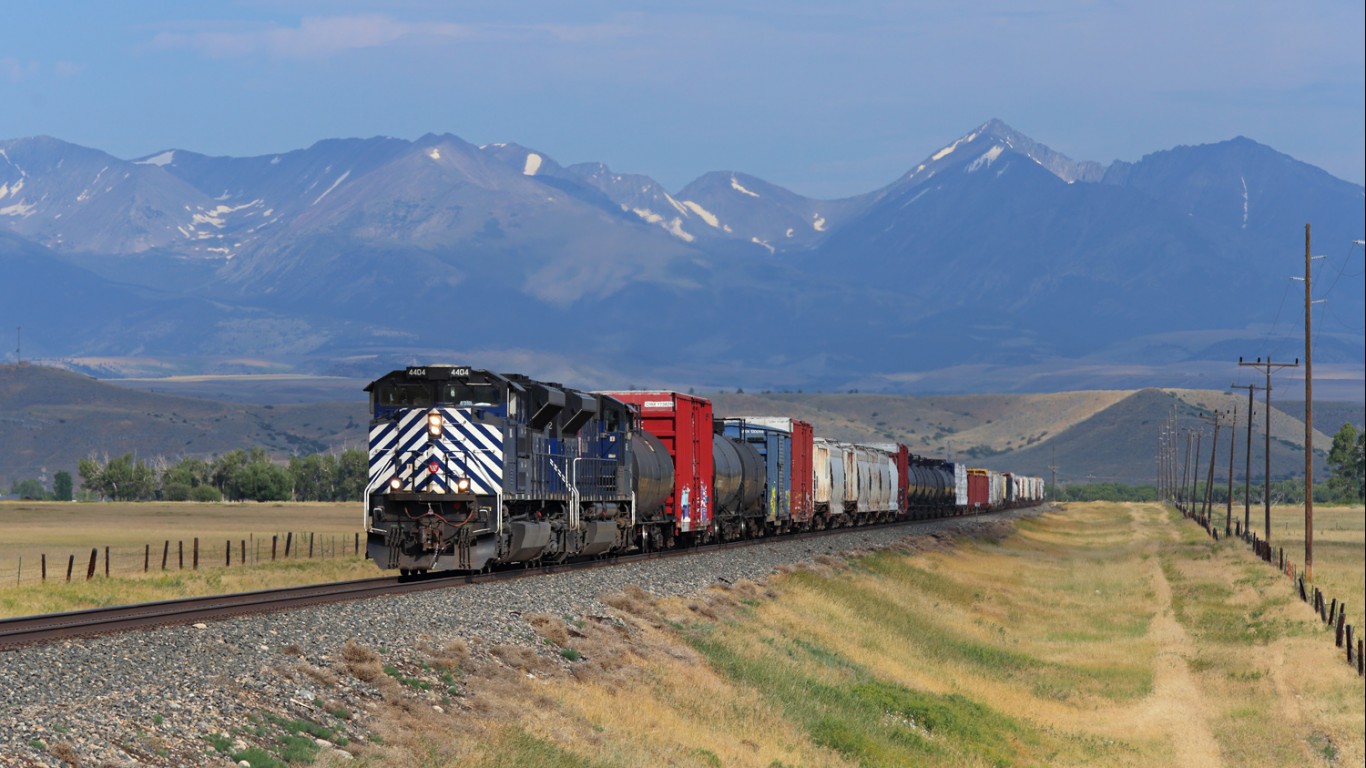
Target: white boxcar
(877, 479)
(836, 467)
(960, 485)
(998, 496)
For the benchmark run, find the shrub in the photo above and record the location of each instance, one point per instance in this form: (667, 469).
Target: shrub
(177, 492)
(205, 493)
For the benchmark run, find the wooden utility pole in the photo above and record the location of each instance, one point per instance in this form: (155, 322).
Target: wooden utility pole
(1267, 368)
(1308, 417)
(1232, 435)
(1247, 458)
(1185, 474)
(1207, 500)
(1053, 466)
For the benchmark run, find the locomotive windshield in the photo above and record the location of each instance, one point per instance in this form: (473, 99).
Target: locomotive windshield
(425, 394)
(479, 393)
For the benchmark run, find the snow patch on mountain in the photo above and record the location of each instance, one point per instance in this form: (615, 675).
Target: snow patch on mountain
(21, 209)
(946, 151)
(738, 187)
(533, 164)
(765, 244)
(987, 158)
(163, 159)
(647, 214)
(679, 206)
(1240, 178)
(434, 153)
(339, 180)
(703, 214)
(675, 228)
(817, 222)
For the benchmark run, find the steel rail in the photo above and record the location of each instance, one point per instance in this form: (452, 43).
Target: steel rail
(29, 630)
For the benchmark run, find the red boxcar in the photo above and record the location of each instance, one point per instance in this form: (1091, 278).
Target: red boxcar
(683, 424)
(979, 489)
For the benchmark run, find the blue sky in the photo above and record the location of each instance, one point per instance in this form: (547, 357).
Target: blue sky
(827, 99)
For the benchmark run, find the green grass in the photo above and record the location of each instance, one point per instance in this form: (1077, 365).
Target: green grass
(518, 748)
(942, 644)
(874, 722)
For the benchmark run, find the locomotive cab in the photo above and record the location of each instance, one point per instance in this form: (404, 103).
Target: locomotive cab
(470, 468)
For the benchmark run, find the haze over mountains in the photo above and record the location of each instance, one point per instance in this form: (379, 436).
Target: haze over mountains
(50, 419)
(995, 264)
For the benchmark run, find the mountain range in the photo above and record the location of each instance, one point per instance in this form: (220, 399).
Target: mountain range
(994, 264)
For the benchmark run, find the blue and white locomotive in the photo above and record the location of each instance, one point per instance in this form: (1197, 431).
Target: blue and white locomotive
(470, 468)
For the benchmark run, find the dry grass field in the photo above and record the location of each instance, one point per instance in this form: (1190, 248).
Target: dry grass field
(1101, 635)
(1339, 548)
(60, 530)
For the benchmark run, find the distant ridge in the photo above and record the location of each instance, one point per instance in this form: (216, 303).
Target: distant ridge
(990, 263)
(49, 419)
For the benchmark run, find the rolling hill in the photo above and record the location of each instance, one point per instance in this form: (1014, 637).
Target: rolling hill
(51, 418)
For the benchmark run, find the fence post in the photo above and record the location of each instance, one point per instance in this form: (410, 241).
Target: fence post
(180, 549)
(44, 566)
(244, 551)
(165, 554)
(70, 564)
(227, 553)
(106, 562)
(146, 557)
(357, 550)
(1342, 619)
(196, 553)
(90, 569)
(274, 540)
(1333, 611)
(310, 546)
(289, 540)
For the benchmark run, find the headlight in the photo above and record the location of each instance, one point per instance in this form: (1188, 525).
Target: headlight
(434, 424)
(462, 485)
(395, 484)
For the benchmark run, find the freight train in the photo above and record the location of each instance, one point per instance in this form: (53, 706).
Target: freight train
(470, 469)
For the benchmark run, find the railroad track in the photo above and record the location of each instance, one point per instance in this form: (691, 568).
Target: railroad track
(46, 628)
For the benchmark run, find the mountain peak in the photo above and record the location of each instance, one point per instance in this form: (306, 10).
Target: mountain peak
(986, 142)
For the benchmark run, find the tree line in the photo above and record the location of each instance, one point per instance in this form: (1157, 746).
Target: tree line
(1346, 481)
(235, 476)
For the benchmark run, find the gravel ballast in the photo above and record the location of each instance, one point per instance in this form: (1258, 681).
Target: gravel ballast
(155, 697)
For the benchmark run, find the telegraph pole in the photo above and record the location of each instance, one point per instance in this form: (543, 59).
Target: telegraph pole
(1207, 500)
(1247, 458)
(1308, 418)
(1267, 368)
(1053, 466)
(1232, 435)
(1185, 474)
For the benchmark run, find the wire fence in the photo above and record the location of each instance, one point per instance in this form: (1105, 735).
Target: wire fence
(175, 555)
(1330, 611)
